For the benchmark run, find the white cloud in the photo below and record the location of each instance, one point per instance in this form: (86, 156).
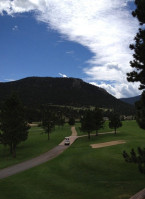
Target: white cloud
(105, 27)
(9, 80)
(70, 52)
(62, 75)
(119, 90)
(15, 28)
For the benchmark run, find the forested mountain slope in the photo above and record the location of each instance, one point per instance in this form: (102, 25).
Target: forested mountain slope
(131, 100)
(37, 91)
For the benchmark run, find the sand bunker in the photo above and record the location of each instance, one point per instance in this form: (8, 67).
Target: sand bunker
(100, 145)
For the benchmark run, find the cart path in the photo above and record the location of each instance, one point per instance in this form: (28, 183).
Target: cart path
(6, 172)
(139, 195)
(72, 138)
(17, 168)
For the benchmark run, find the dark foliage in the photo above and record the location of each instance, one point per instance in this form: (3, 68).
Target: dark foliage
(14, 128)
(37, 91)
(139, 48)
(99, 121)
(71, 121)
(48, 121)
(115, 121)
(140, 111)
(137, 158)
(88, 122)
(138, 75)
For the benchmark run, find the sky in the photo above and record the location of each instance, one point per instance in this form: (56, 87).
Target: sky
(87, 39)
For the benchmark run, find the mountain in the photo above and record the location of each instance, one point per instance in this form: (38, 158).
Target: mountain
(131, 100)
(36, 91)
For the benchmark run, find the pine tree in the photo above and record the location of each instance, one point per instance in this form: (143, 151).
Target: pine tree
(88, 123)
(14, 128)
(99, 121)
(115, 122)
(138, 63)
(138, 75)
(48, 121)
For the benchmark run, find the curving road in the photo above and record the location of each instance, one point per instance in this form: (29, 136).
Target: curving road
(38, 160)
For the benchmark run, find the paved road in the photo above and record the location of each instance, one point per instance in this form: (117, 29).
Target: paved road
(38, 160)
(139, 195)
(33, 162)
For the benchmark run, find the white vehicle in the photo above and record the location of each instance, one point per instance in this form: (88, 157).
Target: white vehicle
(67, 141)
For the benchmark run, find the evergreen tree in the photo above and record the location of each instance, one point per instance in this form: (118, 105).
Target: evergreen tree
(137, 158)
(71, 121)
(138, 75)
(48, 121)
(139, 47)
(88, 122)
(99, 121)
(140, 111)
(14, 128)
(60, 119)
(115, 122)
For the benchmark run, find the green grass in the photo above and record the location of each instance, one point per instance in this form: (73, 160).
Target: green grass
(102, 130)
(36, 144)
(82, 172)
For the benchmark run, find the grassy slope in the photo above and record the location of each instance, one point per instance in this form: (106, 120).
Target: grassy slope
(83, 172)
(36, 144)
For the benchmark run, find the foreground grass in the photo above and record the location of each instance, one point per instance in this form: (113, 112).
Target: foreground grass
(82, 172)
(36, 144)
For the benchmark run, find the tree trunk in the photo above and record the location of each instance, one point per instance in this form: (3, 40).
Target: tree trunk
(11, 148)
(14, 151)
(96, 133)
(48, 136)
(89, 135)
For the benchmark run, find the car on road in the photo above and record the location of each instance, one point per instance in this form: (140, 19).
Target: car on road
(67, 141)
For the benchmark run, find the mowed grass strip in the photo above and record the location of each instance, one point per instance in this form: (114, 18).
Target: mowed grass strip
(36, 144)
(82, 172)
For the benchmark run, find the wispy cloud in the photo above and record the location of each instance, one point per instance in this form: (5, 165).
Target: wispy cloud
(9, 80)
(15, 28)
(105, 27)
(62, 75)
(70, 52)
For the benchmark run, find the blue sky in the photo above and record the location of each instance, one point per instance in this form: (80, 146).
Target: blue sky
(82, 39)
(29, 48)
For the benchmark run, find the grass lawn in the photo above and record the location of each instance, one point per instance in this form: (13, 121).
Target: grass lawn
(104, 129)
(82, 172)
(36, 144)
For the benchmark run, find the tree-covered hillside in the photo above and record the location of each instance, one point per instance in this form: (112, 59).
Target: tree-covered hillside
(131, 100)
(37, 91)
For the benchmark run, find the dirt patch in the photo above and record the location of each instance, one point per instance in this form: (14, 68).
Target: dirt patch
(105, 144)
(33, 125)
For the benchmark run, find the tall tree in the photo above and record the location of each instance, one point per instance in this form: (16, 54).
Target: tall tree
(13, 125)
(60, 119)
(140, 111)
(138, 62)
(138, 75)
(48, 121)
(71, 121)
(115, 122)
(99, 121)
(88, 122)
